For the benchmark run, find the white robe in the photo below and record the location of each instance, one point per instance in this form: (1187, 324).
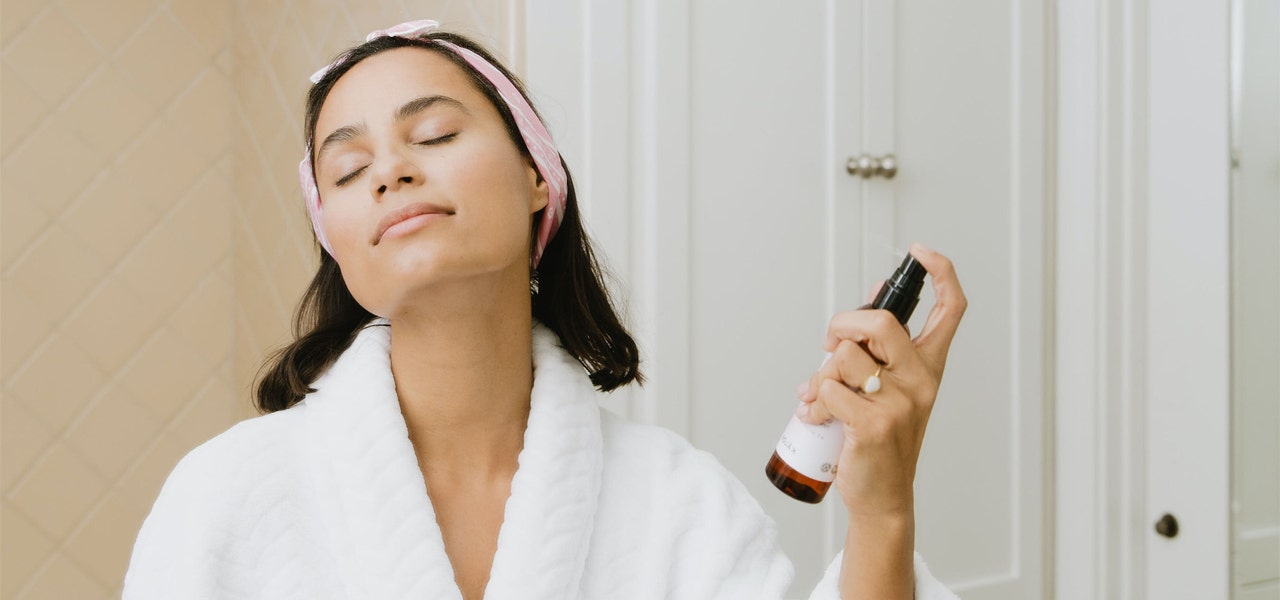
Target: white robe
(326, 500)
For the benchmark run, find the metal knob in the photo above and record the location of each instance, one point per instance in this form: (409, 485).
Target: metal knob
(867, 166)
(1167, 526)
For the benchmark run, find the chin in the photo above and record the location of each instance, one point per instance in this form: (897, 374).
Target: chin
(414, 255)
(424, 267)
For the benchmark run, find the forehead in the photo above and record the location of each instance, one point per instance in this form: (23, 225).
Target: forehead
(373, 88)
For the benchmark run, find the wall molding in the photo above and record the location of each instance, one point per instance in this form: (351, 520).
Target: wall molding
(1100, 300)
(1188, 278)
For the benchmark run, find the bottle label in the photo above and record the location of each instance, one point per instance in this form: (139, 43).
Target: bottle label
(812, 449)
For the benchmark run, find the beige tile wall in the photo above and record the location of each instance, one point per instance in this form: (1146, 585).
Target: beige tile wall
(152, 246)
(115, 274)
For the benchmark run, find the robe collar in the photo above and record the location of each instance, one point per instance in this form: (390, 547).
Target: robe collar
(386, 536)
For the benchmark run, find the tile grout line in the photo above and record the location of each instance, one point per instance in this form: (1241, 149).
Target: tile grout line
(106, 58)
(105, 61)
(113, 483)
(161, 114)
(167, 8)
(111, 273)
(25, 26)
(61, 544)
(238, 205)
(115, 377)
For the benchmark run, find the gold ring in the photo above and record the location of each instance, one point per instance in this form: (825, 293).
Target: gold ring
(872, 384)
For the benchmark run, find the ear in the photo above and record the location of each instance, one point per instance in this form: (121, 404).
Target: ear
(540, 194)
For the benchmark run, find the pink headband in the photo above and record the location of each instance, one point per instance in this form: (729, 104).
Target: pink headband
(536, 138)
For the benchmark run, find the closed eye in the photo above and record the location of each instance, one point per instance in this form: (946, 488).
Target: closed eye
(356, 173)
(349, 176)
(440, 140)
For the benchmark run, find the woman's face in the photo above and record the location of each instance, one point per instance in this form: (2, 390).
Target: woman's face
(408, 127)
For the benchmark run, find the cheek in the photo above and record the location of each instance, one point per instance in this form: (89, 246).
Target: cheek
(348, 230)
(342, 229)
(493, 183)
(349, 237)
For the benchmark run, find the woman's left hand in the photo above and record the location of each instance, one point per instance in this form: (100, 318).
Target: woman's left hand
(884, 430)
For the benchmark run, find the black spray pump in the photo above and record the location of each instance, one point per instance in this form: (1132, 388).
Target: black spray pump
(803, 464)
(901, 292)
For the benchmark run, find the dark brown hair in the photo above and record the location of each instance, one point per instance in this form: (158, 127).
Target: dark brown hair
(572, 299)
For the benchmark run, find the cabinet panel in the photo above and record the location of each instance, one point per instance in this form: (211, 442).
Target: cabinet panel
(970, 138)
(758, 249)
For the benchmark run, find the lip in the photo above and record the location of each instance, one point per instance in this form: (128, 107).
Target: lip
(405, 213)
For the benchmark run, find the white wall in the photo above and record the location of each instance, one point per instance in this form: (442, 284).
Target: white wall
(1255, 292)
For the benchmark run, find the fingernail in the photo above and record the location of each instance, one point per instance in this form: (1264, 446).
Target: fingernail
(802, 390)
(921, 247)
(803, 410)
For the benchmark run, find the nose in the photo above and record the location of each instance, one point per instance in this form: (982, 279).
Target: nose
(393, 171)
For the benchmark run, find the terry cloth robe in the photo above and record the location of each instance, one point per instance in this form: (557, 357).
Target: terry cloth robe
(326, 500)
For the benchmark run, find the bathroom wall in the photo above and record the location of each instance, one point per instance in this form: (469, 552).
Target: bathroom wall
(116, 270)
(153, 246)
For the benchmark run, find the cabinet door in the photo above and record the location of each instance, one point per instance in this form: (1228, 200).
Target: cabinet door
(747, 234)
(969, 131)
(774, 236)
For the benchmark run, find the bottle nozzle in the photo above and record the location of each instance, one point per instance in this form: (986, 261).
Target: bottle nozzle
(901, 292)
(910, 273)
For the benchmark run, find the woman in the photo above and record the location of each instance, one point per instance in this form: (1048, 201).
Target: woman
(468, 458)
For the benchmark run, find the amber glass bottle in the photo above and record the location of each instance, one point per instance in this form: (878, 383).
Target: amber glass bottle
(803, 465)
(794, 483)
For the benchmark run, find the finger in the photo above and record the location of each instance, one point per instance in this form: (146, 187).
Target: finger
(834, 401)
(809, 389)
(852, 365)
(939, 329)
(877, 330)
(849, 364)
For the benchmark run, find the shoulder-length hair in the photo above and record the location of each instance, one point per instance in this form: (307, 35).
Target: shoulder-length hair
(572, 299)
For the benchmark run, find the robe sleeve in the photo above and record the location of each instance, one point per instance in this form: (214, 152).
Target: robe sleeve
(757, 566)
(726, 546)
(176, 553)
(760, 571)
(927, 587)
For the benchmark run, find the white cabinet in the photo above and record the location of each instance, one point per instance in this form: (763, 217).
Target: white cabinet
(710, 139)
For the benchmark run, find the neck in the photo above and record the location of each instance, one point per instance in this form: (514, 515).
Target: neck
(464, 375)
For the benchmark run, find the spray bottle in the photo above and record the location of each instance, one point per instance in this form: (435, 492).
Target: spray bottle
(803, 465)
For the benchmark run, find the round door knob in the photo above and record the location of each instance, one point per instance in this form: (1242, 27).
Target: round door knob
(1167, 526)
(867, 166)
(863, 166)
(888, 166)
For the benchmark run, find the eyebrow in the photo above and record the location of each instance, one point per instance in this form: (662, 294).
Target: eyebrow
(407, 110)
